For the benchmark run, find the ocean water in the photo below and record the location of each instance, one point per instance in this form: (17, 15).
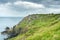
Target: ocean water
(8, 21)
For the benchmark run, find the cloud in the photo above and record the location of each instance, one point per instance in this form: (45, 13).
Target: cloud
(18, 8)
(54, 10)
(6, 1)
(29, 4)
(54, 6)
(45, 2)
(24, 8)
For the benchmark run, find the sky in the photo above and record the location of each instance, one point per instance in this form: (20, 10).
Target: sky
(22, 8)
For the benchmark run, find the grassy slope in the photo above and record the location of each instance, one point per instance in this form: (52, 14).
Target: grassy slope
(39, 27)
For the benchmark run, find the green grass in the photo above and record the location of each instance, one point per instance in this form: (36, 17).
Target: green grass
(39, 27)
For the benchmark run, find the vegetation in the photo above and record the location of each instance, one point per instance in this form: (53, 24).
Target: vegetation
(37, 27)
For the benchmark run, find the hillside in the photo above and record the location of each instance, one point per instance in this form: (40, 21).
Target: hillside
(37, 27)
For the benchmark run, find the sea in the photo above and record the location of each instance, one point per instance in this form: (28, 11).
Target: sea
(8, 22)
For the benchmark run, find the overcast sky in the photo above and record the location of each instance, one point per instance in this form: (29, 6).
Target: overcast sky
(21, 8)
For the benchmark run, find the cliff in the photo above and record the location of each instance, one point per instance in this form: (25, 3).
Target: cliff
(37, 27)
